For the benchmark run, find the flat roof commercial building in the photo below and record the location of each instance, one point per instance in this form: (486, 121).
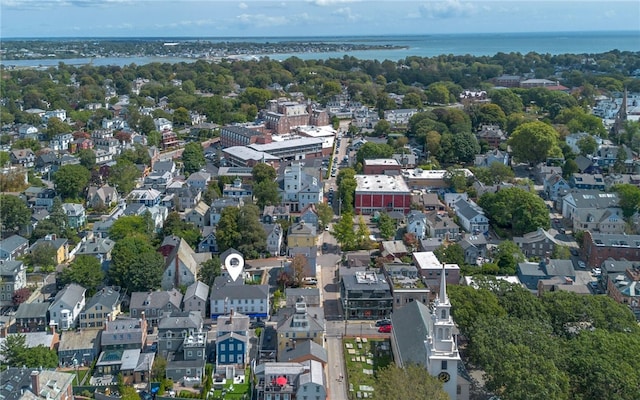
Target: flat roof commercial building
(381, 193)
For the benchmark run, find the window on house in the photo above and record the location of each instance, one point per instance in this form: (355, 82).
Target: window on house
(443, 365)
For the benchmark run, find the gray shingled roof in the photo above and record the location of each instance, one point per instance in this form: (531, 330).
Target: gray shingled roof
(11, 243)
(410, 330)
(32, 310)
(198, 289)
(70, 295)
(303, 348)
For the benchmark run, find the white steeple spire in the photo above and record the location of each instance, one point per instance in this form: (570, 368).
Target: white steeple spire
(443, 287)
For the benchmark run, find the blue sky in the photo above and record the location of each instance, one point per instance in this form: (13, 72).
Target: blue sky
(263, 18)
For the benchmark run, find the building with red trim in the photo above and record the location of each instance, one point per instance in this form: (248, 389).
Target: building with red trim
(381, 193)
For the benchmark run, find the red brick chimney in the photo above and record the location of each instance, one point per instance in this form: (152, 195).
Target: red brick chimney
(35, 382)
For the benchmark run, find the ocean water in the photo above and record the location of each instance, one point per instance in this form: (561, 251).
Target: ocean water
(485, 44)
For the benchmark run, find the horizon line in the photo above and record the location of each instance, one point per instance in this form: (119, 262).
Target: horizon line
(35, 38)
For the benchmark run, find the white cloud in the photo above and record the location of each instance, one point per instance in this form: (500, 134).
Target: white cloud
(323, 3)
(243, 6)
(262, 20)
(346, 13)
(447, 9)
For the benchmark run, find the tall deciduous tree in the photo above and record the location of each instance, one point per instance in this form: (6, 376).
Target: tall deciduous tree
(325, 214)
(516, 209)
(298, 265)
(387, 226)
(132, 225)
(193, 157)
(210, 270)
(263, 172)
(86, 271)
(15, 353)
(70, 180)
(123, 175)
(344, 233)
(532, 142)
(136, 265)
(266, 193)
(629, 198)
(14, 213)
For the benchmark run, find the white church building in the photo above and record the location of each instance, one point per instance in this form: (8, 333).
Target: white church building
(425, 337)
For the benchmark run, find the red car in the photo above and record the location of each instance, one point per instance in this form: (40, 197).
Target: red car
(385, 329)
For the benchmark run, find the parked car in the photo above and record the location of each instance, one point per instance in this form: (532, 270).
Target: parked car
(574, 251)
(257, 324)
(385, 329)
(383, 322)
(582, 265)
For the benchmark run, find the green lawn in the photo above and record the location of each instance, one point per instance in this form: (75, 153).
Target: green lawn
(239, 392)
(80, 374)
(372, 350)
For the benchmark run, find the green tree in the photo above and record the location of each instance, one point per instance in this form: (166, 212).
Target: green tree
(241, 229)
(387, 226)
(346, 189)
(56, 127)
(131, 225)
(71, 180)
(587, 145)
(266, 193)
(450, 254)
(532, 142)
(181, 116)
(325, 214)
(123, 176)
(561, 252)
(458, 148)
(14, 213)
(263, 172)
(621, 158)
(193, 157)
(43, 256)
(629, 198)
(372, 150)
(15, 353)
(383, 127)
(210, 270)
(470, 304)
(508, 100)
(154, 138)
(86, 271)
(515, 209)
(362, 235)
(135, 265)
(411, 383)
(344, 233)
(507, 255)
(569, 168)
(227, 231)
(174, 225)
(87, 158)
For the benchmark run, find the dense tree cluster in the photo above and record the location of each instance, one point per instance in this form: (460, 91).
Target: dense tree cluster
(561, 346)
(515, 209)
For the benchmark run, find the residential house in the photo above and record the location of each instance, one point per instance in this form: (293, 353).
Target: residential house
(607, 155)
(60, 246)
(61, 142)
(208, 244)
(406, 284)
(195, 298)
(493, 156)
(154, 305)
(238, 190)
(417, 224)
(199, 215)
(147, 197)
(67, 306)
(102, 306)
(22, 157)
(23, 383)
(581, 199)
(44, 199)
(76, 215)
(45, 161)
(232, 341)
(302, 235)
(493, 135)
(587, 181)
(573, 139)
(99, 248)
(427, 202)
(555, 184)
(290, 380)
(531, 273)
(598, 247)
(102, 197)
(32, 317)
(183, 342)
(300, 188)
(186, 197)
(399, 116)
(364, 294)
(122, 363)
(274, 238)
(538, 243)
(251, 300)
(301, 325)
(101, 228)
(309, 215)
(393, 249)
(306, 350)
(608, 220)
(13, 247)
(475, 249)
(440, 225)
(272, 214)
(622, 280)
(220, 204)
(471, 217)
(199, 180)
(13, 276)
(80, 348)
(159, 181)
(180, 268)
(124, 333)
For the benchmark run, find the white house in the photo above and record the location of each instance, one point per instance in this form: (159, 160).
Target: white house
(471, 216)
(180, 268)
(417, 224)
(162, 124)
(400, 117)
(274, 238)
(66, 307)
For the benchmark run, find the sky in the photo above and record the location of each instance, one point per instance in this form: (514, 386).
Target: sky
(264, 18)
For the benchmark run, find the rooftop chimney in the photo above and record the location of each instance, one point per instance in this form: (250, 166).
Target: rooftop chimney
(35, 382)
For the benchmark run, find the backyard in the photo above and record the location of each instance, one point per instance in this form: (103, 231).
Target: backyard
(362, 358)
(230, 390)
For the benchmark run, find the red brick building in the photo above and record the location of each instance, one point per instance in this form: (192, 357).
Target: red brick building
(381, 193)
(598, 247)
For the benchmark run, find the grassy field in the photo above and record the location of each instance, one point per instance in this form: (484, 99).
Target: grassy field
(80, 374)
(373, 350)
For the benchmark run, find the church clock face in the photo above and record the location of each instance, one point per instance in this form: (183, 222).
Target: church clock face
(444, 376)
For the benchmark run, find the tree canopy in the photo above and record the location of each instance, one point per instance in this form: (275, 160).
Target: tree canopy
(136, 265)
(71, 180)
(193, 157)
(410, 383)
(14, 213)
(515, 209)
(532, 142)
(86, 271)
(15, 353)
